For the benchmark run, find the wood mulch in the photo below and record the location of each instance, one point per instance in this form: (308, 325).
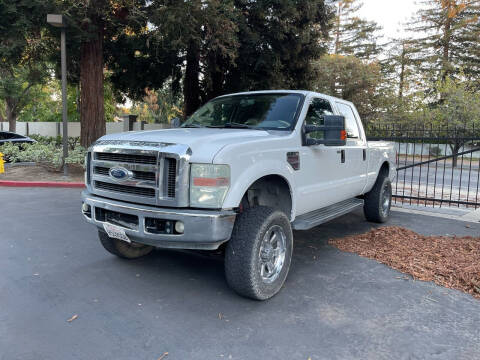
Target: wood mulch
(453, 262)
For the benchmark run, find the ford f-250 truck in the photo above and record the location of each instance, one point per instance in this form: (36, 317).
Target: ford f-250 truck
(239, 174)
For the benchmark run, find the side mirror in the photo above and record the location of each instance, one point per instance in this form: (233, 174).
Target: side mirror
(333, 129)
(175, 123)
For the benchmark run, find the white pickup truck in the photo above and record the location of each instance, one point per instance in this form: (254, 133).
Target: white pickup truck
(239, 174)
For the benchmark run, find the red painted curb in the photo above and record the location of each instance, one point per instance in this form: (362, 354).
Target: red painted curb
(42, 184)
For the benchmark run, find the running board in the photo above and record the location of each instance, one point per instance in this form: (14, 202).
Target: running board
(320, 216)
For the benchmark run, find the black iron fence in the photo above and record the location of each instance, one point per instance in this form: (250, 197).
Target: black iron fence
(436, 166)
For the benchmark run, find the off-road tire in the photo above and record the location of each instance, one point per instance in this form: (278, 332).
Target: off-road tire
(373, 206)
(123, 249)
(242, 255)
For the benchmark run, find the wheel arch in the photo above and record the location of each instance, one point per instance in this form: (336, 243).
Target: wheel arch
(272, 190)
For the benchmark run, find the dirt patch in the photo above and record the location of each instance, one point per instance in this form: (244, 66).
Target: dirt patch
(39, 173)
(453, 262)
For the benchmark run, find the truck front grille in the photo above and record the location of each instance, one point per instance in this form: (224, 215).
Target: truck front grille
(171, 178)
(126, 158)
(137, 175)
(125, 189)
(156, 178)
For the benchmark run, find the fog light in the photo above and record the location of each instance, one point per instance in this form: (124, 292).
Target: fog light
(85, 207)
(179, 227)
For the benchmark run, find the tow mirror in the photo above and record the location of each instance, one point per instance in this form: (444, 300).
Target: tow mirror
(333, 130)
(175, 123)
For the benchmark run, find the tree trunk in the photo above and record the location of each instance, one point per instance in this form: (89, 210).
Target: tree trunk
(446, 43)
(455, 150)
(11, 114)
(402, 74)
(337, 30)
(92, 119)
(216, 68)
(191, 84)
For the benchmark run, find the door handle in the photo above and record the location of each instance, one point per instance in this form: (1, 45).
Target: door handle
(364, 154)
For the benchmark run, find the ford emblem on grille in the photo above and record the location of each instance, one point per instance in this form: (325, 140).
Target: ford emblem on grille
(120, 173)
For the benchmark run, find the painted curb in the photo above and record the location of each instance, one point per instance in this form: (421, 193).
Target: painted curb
(49, 184)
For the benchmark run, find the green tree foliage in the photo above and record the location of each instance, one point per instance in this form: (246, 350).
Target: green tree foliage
(92, 26)
(157, 106)
(277, 42)
(22, 49)
(449, 42)
(351, 79)
(352, 35)
(459, 112)
(213, 47)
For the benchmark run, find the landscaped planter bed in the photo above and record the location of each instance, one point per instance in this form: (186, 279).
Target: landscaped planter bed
(453, 262)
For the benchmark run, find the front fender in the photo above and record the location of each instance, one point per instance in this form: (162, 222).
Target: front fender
(245, 177)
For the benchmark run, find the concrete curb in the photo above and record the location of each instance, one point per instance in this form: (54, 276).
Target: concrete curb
(49, 184)
(473, 216)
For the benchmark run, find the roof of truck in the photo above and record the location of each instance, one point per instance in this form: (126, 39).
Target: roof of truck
(302, 92)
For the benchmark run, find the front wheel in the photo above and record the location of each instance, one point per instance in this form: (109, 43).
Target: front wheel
(378, 201)
(123, 249)
(258, 255)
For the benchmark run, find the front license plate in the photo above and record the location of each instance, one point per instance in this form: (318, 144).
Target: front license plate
(116, 232)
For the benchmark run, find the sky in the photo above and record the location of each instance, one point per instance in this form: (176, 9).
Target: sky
(389, 14)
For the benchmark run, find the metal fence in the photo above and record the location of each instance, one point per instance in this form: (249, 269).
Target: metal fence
(436, 166)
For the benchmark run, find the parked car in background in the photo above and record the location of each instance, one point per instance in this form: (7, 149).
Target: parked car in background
(10, 137)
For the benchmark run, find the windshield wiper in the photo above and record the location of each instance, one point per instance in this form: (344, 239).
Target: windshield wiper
(233, 126)
(193, 125)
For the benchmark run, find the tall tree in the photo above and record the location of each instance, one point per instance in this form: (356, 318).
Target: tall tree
(277, 42)
(22, 48)
(202, 34)
(353, 35)
(450, 39)
(92, 26)
(351, 79)
(217, 46)
(459, 112)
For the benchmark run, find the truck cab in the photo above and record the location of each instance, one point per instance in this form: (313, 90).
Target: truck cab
(239, 174)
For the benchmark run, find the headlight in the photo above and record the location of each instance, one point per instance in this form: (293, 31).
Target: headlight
(209, 185)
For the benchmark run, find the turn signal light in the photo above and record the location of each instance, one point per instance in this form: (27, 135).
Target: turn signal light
(220, 181)
(343, 135)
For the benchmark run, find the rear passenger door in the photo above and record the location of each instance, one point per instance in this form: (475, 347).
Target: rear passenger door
(355, 150)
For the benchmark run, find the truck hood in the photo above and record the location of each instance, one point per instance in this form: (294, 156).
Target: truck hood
(205, 143)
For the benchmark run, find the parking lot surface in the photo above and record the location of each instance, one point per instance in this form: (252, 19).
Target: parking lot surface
(334, 305)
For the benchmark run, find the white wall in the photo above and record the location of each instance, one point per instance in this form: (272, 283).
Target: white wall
(55, 128)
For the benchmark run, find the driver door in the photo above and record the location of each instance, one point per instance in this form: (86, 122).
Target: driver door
(319, 180)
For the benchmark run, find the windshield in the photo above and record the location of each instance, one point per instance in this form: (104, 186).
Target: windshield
(255, 111)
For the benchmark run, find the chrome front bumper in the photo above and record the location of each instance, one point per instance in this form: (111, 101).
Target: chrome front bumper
(203, 229)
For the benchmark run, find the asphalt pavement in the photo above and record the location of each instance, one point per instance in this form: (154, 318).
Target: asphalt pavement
(334, 305)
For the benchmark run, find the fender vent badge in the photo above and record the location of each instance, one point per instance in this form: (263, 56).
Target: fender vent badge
(293, 158)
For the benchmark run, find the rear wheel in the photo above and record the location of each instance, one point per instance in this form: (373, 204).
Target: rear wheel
(378, 200)
(123, 249)
(258, 255)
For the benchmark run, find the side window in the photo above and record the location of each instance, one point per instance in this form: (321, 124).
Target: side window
(350, 122)
(316, 110)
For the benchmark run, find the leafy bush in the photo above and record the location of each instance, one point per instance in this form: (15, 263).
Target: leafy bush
(435, 151)
(48, 155)
(73, 141)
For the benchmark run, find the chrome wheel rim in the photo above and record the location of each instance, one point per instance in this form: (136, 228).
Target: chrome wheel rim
(272, 253)
(386, 199)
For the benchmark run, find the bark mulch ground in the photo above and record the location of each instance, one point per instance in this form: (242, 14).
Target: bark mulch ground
(453, 262)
